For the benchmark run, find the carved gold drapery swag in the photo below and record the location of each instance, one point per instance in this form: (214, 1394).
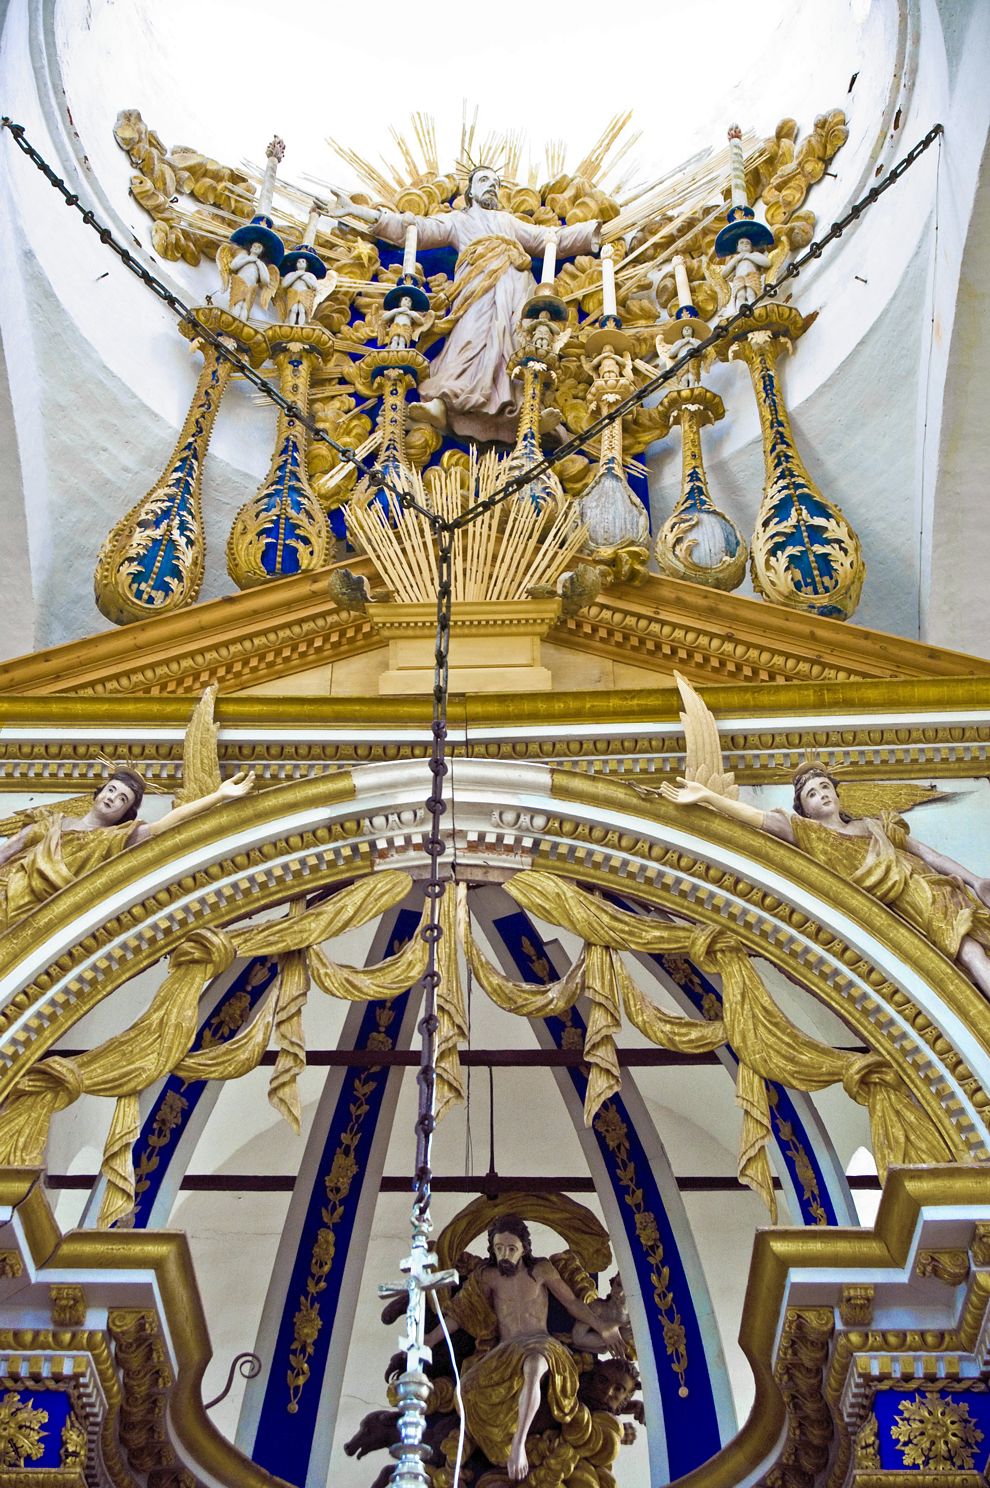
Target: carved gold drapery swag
(158, 1042)
(767, 1045)
(452, 1022)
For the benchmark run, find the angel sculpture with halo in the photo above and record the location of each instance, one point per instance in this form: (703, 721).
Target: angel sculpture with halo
(947, 903)
(52, 846)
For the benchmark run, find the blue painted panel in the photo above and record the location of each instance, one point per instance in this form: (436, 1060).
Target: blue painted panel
(173, 1109)
(679, 1354)
(933, 1431)
(36, 1419)
(289, 1418)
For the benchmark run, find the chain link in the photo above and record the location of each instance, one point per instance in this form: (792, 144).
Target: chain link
(437, 884)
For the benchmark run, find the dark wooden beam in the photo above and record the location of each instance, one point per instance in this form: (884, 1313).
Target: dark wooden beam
(489, 1058)
(473, 1184)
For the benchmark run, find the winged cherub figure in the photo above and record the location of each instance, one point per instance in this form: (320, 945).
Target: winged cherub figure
(948, 903)
(55, 847)
(247, 277)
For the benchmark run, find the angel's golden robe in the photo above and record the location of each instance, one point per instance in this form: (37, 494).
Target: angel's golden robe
(51, 860)
(940, 907)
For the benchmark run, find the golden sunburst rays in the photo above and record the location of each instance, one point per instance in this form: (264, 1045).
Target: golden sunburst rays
(501, 557)
(608, 165)
(504, 151)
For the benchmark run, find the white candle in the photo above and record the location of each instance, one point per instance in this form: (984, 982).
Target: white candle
(273, 154)
(549, 258)
(313, 221)
(409, 252)
(682, 283)
(737, 168)
(608, 281)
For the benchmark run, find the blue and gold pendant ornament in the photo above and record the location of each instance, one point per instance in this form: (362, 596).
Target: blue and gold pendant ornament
(697, 542)
(804, 552)
(543, 329)
(391, 372)
(283, 529)
(151, 562)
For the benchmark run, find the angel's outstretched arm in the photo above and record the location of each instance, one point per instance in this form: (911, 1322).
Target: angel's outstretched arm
(237, 785)
(693, 793)
(948, 866)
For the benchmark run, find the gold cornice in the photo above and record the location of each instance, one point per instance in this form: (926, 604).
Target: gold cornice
(778, 1252)
(623, 734)
(270, 631)
(293, 624)
(615, 706)
(166, 1255)
(663, 623)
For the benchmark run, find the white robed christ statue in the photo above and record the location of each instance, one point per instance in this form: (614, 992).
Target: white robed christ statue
(469, 388)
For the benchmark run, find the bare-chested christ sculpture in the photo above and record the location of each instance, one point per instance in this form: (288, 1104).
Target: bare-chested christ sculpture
(469, 387)
(517, 1287)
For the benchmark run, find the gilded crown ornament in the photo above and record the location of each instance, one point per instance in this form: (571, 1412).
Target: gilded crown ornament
(521, 339)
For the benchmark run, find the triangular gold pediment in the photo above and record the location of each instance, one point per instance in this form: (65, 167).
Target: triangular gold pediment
(291, 637)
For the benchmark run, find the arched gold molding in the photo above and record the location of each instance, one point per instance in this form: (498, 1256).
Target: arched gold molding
(777, 1256)
(217, 868)
(109, 1255)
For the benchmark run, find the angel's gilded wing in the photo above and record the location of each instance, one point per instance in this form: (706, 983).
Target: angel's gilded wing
(703, 761)
(270, 290)
(777, 258)
(225, 255)
(872, 798)
(325, 289)
(718, 282)
(200, 762)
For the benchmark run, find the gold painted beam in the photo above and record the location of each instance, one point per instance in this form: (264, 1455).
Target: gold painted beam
(664, 624)
(632, 733)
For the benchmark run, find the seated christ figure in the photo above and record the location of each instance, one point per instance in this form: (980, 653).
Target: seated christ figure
(502, 1384)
